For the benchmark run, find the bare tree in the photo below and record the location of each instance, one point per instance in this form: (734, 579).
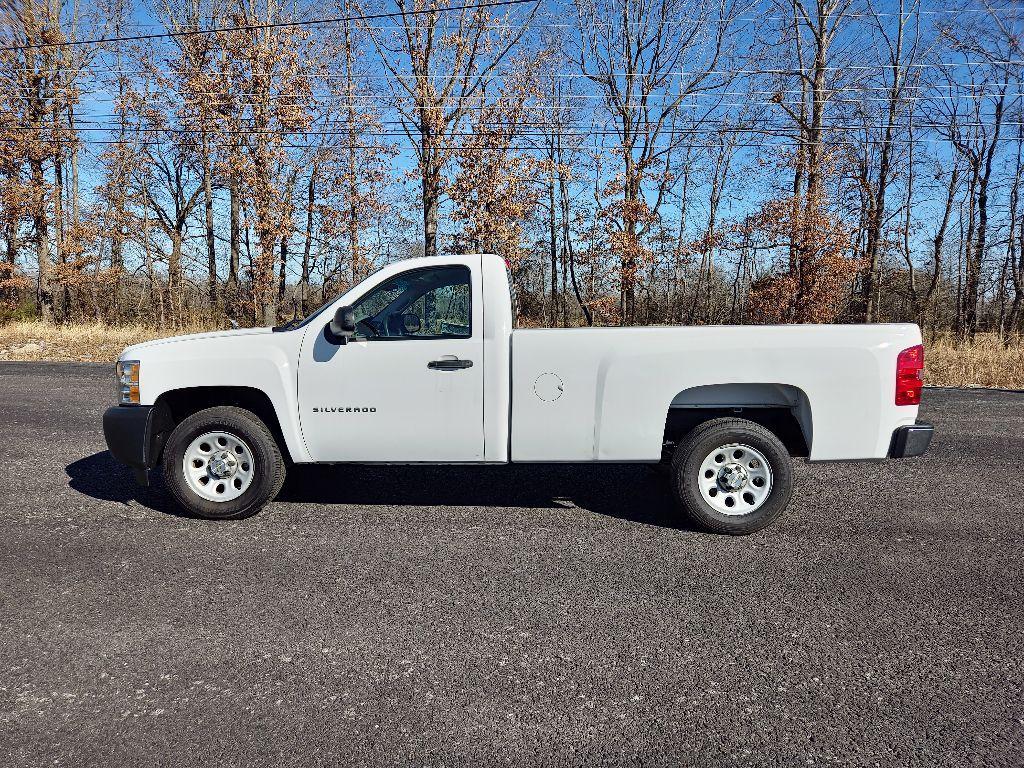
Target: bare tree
(39, 92)
(439, 61)
(647, 58)
(976, 99)
(1015, 242)
(901, 47)
(269, 64)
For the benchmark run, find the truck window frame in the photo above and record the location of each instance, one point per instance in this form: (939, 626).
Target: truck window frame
(405, 275)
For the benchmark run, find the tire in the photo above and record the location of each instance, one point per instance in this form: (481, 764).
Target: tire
(240, 472)
(756, 473)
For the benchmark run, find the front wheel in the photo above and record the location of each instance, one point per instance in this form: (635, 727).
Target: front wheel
(223, 464)
(732, 476)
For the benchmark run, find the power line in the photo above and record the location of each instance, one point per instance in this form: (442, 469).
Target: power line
(782, 137)
(792, 71)
(316, 99)
(273, 25)
(328, 105)
(678, 21)
(707, 126)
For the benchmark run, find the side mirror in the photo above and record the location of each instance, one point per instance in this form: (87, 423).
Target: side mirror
(342, 327)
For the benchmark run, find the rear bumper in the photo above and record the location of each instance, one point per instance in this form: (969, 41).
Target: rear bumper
(911, 440)
(135, 435)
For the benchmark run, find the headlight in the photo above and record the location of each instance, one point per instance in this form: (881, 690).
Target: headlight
(128, 381)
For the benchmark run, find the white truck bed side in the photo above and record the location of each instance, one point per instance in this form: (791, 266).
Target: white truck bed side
(602, 394)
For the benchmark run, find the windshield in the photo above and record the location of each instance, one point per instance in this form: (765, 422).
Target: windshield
(296, 323)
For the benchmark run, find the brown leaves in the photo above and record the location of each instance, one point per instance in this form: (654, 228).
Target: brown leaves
(814, 285)
(12, 283)
(497, 187)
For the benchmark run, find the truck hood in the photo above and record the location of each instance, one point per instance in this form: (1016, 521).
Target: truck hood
(130, 352)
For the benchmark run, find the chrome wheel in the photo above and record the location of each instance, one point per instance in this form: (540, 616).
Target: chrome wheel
(735, 479)
(218, 466)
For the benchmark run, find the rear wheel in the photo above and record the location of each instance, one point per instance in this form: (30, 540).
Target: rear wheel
(222, 463)
(732, 476)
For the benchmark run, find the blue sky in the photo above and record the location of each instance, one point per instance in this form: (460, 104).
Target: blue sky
(746, 191)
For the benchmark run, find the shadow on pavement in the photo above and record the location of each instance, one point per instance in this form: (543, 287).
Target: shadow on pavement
(102, 477)
(627, 492)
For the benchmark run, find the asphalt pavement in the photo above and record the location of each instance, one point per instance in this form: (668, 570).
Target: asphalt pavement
(530, 615)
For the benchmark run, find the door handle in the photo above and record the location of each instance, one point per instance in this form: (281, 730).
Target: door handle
(449, 365)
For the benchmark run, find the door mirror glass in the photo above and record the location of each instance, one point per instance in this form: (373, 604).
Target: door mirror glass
(342, 327)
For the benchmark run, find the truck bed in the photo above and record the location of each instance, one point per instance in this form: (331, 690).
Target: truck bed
(603, 394)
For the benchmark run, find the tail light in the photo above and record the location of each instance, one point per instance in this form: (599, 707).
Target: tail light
(909, 376)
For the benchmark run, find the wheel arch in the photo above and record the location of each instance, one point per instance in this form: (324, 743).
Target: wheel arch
(783, 409)
(182, 403)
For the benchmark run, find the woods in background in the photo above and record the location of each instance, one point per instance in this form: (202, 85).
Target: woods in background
(634, 161)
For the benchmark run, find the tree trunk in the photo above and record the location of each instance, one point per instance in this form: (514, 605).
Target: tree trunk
(233, 238)
(1015, 245)
(553, 247)
(964, 268)
(264, 293)
(430, 199)
(155, 294)
(174, 288)
(211, 246)
(567, 247)
(872, 250)
(307, 243)
(353, 171)
(282, 274)
(44, 294)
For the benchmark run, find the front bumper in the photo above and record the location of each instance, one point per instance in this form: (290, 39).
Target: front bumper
(911, 440)
(136, 434)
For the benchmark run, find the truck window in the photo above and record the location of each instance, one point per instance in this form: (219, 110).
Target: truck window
(432, 303)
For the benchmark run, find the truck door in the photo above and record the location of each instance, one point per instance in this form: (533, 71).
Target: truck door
(409, 386)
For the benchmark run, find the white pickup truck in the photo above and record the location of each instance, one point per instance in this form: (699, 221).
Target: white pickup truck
(419, 363)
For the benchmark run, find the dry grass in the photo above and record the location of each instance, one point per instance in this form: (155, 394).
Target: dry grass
(986, 363)
(95, 342)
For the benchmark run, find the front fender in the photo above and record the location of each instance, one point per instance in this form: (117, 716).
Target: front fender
(261, 361)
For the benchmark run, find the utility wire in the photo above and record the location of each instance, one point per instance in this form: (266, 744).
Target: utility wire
(272, 25)
(326, 99)
(792, 71)
(605, 147)
(678, 21)
(707, 126)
